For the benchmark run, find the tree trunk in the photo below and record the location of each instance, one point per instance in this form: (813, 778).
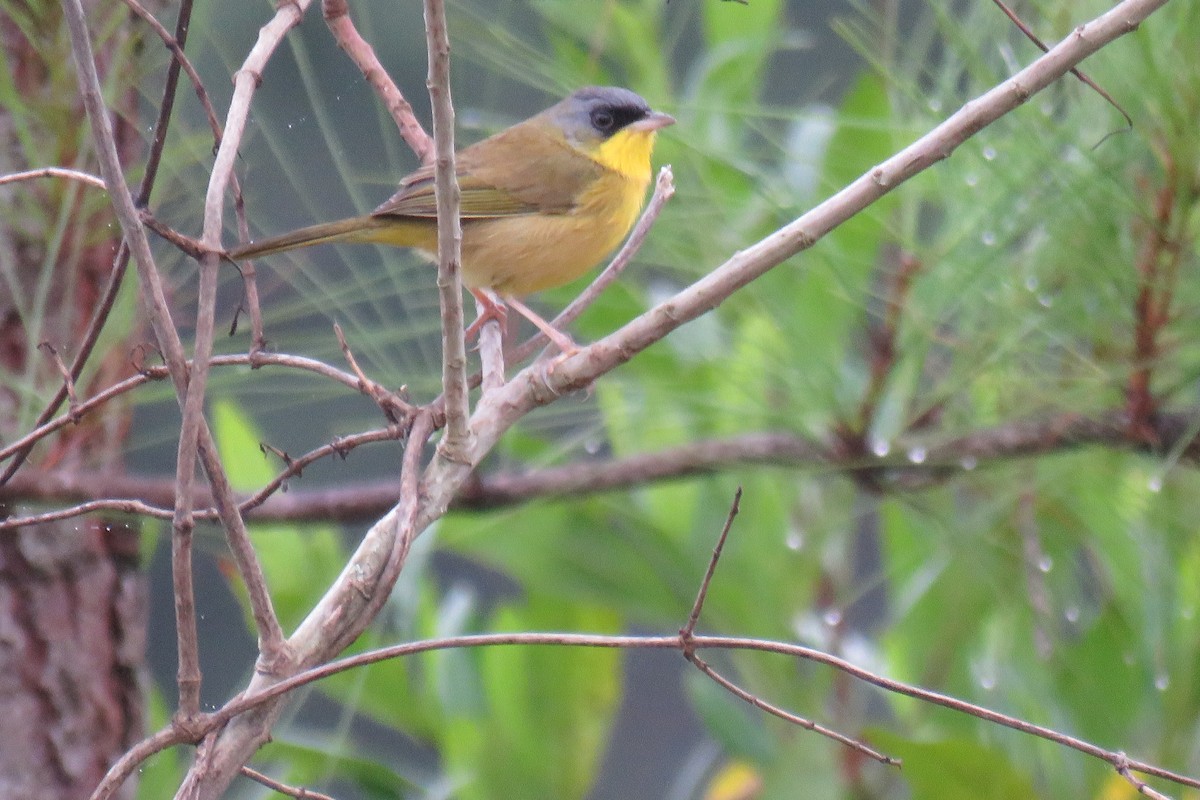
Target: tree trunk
(72, 600)
(72, 647)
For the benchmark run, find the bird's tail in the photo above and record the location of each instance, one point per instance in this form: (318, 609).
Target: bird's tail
(353, 229)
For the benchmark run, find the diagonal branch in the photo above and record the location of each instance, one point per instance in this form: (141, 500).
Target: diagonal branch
(756, 260)
(337, 17)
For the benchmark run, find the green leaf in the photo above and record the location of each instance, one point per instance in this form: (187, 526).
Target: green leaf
(549, 709)
(955, 769)
(299, 562)
(312, 761)
(726, 21)
(741, 730)
(824, 302)
(161, 774)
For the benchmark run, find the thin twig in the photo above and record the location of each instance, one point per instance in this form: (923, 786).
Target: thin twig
(163, 493)
(12, 523)
(694, 617)
(395, 409)
(337, 17)
(1114, 758)
(787, 716)
(179, 58)
(186, 244)
(1123, 769)
(53, 172)
(299, 792)
(686, 638)
(68, 380)
(157, 373)
(1025, 29)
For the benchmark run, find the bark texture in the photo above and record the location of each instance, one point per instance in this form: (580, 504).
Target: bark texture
(72, 645)
(72, 599)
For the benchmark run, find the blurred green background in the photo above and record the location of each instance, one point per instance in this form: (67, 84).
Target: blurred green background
(1062, 589)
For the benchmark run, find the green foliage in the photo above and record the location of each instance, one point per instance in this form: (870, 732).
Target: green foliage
(546, 712)
(50, 224)
(295, 559)
(161, 774)
(956, 770)
(307, 761)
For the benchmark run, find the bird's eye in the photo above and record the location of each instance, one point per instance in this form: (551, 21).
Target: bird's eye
(602, 119)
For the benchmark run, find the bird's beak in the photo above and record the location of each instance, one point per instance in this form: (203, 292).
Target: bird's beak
(653, 121)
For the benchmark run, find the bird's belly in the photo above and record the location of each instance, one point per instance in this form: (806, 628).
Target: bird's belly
(525, 254)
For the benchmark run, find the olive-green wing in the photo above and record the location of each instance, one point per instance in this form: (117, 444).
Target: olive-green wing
(523, 170)
(477, 200)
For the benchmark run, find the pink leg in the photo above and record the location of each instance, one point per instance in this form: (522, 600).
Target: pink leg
(560, 339)
(491, 308)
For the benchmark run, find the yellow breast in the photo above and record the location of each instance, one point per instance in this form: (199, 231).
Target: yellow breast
(526, 254)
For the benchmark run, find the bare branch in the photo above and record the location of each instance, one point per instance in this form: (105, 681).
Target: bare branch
(750, 263)
(337, 17)
(53, 172)
(395, 409)
(1033, 37)
(283, 788)
(1116, 759)
(179, 60)
(159, 373)
(943, 459)
(787, 716)
(249, 701)
(455, 441)
(690, 628)
(156, 496)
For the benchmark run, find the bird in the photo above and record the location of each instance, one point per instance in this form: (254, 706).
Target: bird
(542, 202)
